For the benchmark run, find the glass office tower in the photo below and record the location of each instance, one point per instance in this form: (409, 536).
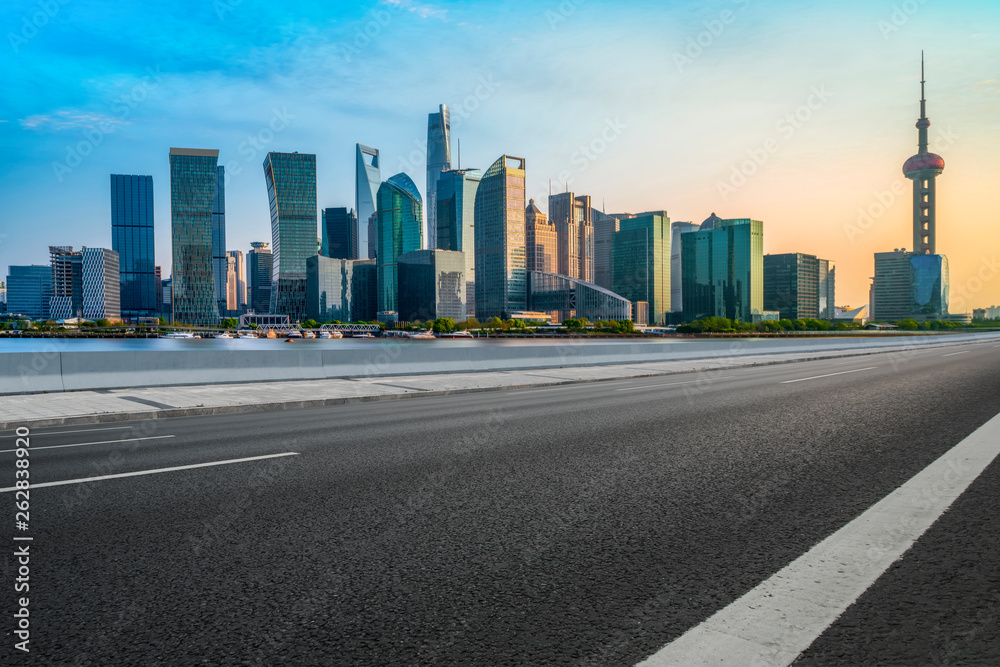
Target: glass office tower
(194, 174)
(640, 262)
(132, 239)
(400, 230)
(291, 192)
(367, 180)
(431, 285)
(676, 282)
(456, 219)
(827, 289)
(340, 289)
(220, 261)
(438, 160)
(723, 269)
(259, 265)
(29, 291)
(791, 285)
(339, 232)
(573, 220)
(604, 228)
(501, 272)
(930, 286)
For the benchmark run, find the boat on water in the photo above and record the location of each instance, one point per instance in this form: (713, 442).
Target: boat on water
(363, 335)
(178, 334)
(423, 335)
(330, 334)
(309, 334)
(246, 335)
(456, 334)
(293, 334)
(223, 335)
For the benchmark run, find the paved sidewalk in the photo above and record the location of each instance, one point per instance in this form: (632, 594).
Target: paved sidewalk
(107, 405)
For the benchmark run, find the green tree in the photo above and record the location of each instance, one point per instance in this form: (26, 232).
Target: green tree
(230, 323)
(909, 324)
(310, 324)
(626, 326)
(444, 325)
(103, 323)
(496, 324)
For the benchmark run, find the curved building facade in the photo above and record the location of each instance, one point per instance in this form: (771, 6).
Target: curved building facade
(399, 230)
(549, 291)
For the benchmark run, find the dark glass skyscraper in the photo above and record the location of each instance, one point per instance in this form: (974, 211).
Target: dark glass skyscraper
(29, 290)
(400, 212)
(259, 264)
(339, 232)
(438, 160)
(220, 261)
(193, 176)
(791, 285)
(367, 180)
(431, 285)
(132, 239)
(291, 192)
(501, 262)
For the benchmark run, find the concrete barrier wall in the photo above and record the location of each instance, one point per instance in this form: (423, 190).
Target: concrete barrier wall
(53, 370)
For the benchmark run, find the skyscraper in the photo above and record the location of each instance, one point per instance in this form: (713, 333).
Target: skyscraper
(340, 289)
(220, 263)
(291, 192)
(259, 264)
(431, 285)
(29, 291)
(676, 262)
(367, 180)
(101, 284)
(194, 174)
(574, 225)
(132, 239)
(501, 273)
(67, 283)
(456, 219)
(236, 285)
(400, 230)
(541, 247)
(640, 262)
(791, 285)
(827, 289)
(438, 160)
(723, 269)
(604, 228)
(339, 231)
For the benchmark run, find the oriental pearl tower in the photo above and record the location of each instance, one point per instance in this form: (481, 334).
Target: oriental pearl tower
(923, 168)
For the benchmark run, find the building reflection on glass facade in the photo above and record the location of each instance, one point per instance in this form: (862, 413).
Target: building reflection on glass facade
(400, 230)
(291, 192)
(552, 292)
(438, 161)
(431, 285)
(723, 270)
(193, 176)
(29, 290)
(132, 239)
(501, 273)
(640, 262)
(341, 290)
(930, 286)
(827, 289)
(339, 233)
(259, 263)
(456, 218)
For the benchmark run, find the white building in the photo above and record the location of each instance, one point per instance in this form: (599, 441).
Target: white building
(101, 284)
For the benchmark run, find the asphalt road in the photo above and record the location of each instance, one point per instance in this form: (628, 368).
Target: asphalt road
(583, 524)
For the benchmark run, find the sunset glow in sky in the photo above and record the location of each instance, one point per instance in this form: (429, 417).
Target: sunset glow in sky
(799, 114)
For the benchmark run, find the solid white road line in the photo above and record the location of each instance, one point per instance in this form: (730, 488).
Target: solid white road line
(38, 434)
(779, 619)
(954, 353)
(86, 444)
(830, 375)
(672, 384)
(151, 472)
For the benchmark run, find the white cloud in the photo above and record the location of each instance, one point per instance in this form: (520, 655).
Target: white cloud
(423, 11)
(71, 119)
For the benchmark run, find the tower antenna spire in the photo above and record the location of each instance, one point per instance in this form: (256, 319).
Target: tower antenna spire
(923, 83)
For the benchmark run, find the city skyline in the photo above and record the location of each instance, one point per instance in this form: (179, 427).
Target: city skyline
(839, 158)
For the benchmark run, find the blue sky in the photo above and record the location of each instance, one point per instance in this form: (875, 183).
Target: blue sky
(642, 105)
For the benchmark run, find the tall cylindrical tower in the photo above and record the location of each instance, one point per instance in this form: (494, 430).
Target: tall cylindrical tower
(923, 168)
